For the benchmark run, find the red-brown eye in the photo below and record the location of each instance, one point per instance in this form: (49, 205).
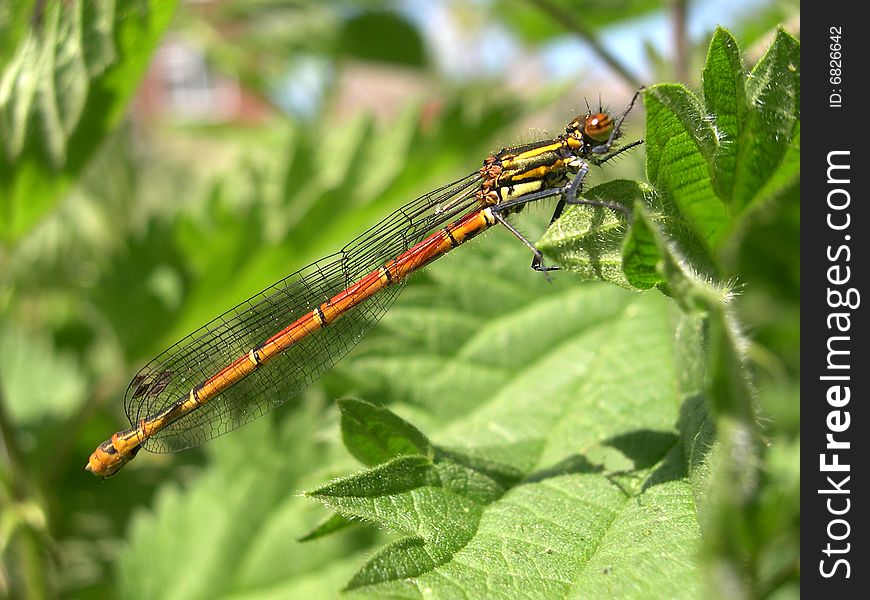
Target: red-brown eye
(598, 127)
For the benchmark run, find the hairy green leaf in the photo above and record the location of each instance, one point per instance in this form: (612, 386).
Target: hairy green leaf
(589, 241)
(374, 435)
(61, 93)
(548, 477)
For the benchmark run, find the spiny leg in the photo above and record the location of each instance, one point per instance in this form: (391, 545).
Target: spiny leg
(539, 258)
(509, 205)
(569, 191)
(572, 192)
(573, 200)
(538, 263)
(600, 161)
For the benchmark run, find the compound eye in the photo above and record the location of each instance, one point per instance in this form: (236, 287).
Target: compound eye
(598, 127)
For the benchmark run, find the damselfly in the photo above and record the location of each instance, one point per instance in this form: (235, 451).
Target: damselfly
(271, 347)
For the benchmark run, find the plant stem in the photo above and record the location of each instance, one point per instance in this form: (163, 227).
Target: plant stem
(679, 12)
(571, 23)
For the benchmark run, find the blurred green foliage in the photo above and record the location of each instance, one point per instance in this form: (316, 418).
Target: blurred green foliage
(114, 246)
(62, 92)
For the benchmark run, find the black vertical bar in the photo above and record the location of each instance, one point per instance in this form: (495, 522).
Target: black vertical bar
(834, 373)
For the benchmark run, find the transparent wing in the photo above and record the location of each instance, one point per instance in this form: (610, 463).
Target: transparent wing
(201, 355)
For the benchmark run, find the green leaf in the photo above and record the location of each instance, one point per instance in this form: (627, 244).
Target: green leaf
(736, 476)
(681, 145)
(725, 95)
(641, 252)
(787, 173)
(597, 243)
(390, 494)
(693, 291)
(329, 525)
(715, 161)
(558, 463)
(589, 241)
(732, 481)
(764, 253)
(382, 36)
(25, 357)
(374, 435)
(773, 93)
(62, 91)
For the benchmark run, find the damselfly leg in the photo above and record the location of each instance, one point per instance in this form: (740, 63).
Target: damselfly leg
(598, 127)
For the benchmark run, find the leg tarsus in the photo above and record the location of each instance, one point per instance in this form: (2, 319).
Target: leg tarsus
(539, 266)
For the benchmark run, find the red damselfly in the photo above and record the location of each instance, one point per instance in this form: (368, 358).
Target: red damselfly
(271, 347)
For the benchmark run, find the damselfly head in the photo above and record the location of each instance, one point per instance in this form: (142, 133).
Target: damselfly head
(595, 127)
(599, 127)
